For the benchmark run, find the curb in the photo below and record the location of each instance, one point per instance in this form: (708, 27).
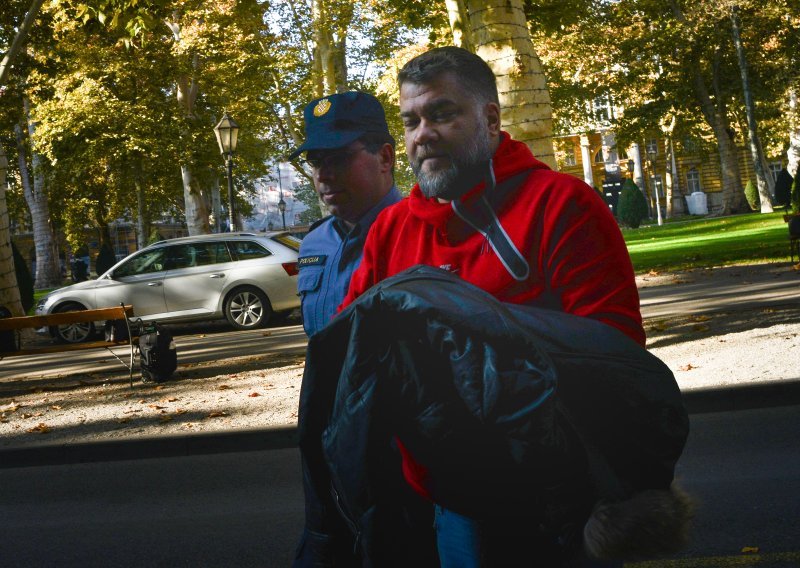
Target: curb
(697, 401)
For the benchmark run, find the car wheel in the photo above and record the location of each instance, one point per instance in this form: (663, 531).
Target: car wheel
(247, 308)
(72, 332)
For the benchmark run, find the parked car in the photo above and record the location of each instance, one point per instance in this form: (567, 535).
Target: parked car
(243, 277)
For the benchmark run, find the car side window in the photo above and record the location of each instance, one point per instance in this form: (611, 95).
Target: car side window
(145, 263)
(198, 254)
(245, 250)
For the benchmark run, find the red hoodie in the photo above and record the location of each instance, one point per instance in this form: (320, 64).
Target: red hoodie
(578, 259)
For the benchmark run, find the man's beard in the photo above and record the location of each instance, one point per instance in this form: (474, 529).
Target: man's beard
(465, 171)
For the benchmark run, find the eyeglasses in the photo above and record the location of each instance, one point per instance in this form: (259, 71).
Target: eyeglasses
(333, 160)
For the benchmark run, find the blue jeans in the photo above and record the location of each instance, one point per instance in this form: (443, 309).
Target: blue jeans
(463, 542)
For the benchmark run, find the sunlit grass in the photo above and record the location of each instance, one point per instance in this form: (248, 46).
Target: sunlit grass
(741, 239)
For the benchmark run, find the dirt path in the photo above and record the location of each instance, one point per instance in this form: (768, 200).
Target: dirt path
(255, 392)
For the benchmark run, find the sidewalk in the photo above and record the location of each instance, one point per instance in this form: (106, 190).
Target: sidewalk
(726, 358)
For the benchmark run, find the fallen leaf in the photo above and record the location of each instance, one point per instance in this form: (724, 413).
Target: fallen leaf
(700, 318)
(26, 415)
(156, 406)
(749, 550)
(223, 387)
(132, 411)
(266, 333)
(158, 388)
(653, 273)
(661, 326)
(55, 407)
(181, 411)
(40, 428)
(217, 414)
(687, 367)
(173, 399)
(124, 420)
(700, 328)
(10, 407)
(165, 418)
(253, 394)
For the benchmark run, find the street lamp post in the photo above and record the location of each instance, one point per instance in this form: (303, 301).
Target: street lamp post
(651, 161)
(227, 132)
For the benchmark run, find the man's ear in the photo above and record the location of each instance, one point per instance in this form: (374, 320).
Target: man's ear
(492, 111)
(386, 156)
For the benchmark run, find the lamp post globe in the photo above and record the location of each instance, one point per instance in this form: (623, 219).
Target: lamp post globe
(227, 133)
(282, 209)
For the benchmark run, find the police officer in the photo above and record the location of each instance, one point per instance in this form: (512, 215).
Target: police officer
(351, 155)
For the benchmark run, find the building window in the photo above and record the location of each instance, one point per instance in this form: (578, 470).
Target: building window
(693, 180)
(651, 146)
(601, 108)
(569, 157)
(775, 168)
(598, 158)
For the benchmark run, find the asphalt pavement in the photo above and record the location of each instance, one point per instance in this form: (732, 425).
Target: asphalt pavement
(734, 288)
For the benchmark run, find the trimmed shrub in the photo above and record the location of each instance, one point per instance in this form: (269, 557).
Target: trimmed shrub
(24, 279)
(105, 259)
(752, 196)
(632, 205)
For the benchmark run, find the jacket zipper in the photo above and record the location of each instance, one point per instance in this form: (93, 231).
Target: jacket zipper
(350, 523)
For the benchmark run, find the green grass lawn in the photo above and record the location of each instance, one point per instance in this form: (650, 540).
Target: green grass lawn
(741, 239)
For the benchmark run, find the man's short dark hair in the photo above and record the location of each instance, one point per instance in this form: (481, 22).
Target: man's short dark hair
(374, 141)
(469, 70)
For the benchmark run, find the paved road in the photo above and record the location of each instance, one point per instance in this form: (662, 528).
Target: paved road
(732, 288)
(196, 343)
(245, 509)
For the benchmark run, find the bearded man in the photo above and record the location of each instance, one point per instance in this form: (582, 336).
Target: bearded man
(485, 209)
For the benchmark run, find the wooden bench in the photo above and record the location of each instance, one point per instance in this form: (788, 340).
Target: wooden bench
(121, 312)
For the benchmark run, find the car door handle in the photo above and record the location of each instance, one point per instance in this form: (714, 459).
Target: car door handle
(154, 283)
(220, 275)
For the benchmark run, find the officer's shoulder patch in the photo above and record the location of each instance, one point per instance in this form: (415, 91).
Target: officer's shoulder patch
(312, 260)
(318, 222)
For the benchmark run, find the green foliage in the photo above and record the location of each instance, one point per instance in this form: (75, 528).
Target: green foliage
(24, 279)
(632, 205)
(751, 193)
(796, 193)
(105, 259)
(305, 193)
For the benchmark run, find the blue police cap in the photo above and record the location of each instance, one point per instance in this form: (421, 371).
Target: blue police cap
(337, 120)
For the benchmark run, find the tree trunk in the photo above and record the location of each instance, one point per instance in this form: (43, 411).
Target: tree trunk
(195, 209)
(48, 273)
(142, 224)
(19, 38)
(500, 34)
(793, 152)
(733, 200)
(9, 289)
(752, 127)
(459, 24)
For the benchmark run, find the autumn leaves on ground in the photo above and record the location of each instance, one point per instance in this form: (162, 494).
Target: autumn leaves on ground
(243, 393)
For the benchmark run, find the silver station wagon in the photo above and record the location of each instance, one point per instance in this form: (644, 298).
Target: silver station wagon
(242, 277)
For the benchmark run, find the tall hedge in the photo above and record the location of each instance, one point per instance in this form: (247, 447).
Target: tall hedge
(751, 193)
(24, 279)
(632, 205)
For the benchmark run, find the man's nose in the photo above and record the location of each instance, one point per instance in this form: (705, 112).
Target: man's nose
(425, 133)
